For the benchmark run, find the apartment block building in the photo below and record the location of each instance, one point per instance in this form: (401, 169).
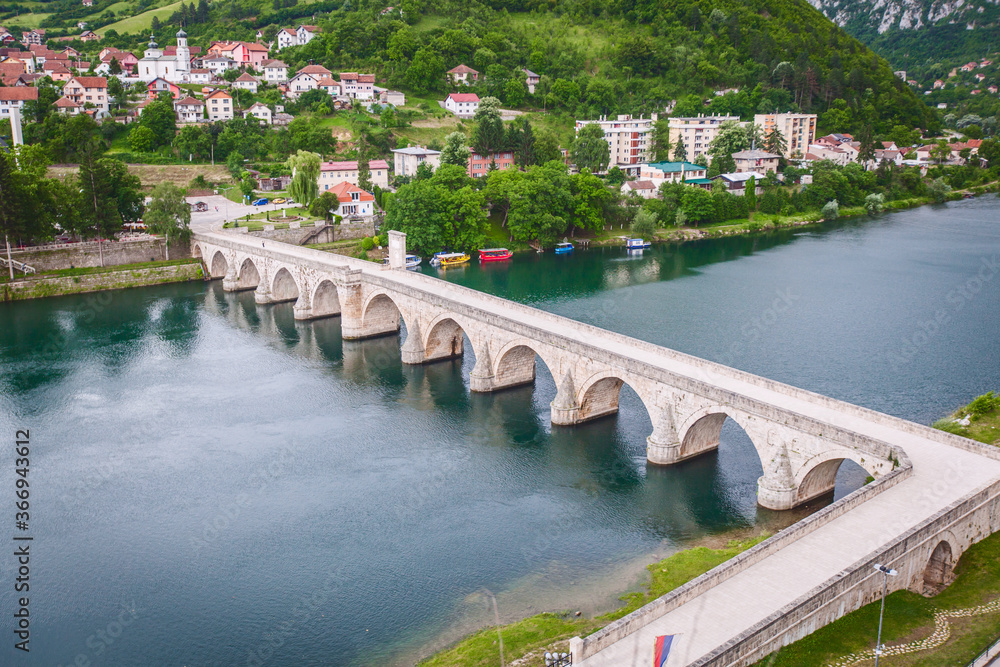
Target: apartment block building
(628, 140)
(798, 129)
(696, 133)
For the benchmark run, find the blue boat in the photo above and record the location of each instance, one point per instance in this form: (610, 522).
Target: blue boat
(564, 248)
(637, 244)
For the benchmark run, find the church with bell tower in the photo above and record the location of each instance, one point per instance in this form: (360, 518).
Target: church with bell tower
(175, 68)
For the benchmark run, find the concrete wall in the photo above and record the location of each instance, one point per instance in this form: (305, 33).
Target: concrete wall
(36, 288)
(116, 253)
(354, 230)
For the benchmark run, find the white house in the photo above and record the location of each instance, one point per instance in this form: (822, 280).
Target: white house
(462, 104)
(353, 201)
(218, 64)
(15, 96)
(329, 85)
(644, 189)
(189, 110)
(286, 37)
(220, 105)
(201, 76)
(259, 111)
(275, 71)
(305, 33)
(302, 83)
(246, 81)
(86, 90)
(358, 86)
(406, 160)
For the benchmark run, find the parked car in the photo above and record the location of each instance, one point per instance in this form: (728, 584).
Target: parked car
(279, 200)
(260, 202)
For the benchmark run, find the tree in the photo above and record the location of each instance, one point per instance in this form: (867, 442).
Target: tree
(192, 140)
(659, 141)
(644, 224)
(697, 205)
(114, 67)
(159, 117)
(941, 151)
(168, 213)
(751, 195)
(938, 189)
(831, 210)
(322, 205)
(305, 167)
(513, 93)
(455, 151)
(141, 139)
(489, 136)
(521, 137)
(732, 138)
(680, 151)
(590, 150)
(443, 211)
(774, 142)
(874, 203)
(106, 191)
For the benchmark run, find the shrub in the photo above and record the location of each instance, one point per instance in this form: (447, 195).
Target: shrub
(787, 210)
(644, 223)
(367, 243)
(874, 203)
(981, 405)
(831, 210)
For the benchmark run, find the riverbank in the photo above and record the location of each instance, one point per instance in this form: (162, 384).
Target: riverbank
(84, 280)
(525, 642)
(979, 420)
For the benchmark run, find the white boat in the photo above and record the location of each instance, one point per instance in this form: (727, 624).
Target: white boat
(637, 244)
(412, 261)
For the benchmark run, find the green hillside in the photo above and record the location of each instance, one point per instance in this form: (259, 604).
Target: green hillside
(624, 56)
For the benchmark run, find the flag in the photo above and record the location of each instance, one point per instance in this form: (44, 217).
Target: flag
(661, 649)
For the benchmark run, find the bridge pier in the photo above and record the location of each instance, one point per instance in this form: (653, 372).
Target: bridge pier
(663, 446)
(262, 295)
(776, 488)
(565, 408)
(412, 352)
(360, 320)
(303, 308)
(481, 379)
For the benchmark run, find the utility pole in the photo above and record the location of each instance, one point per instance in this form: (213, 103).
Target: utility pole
(886, 573)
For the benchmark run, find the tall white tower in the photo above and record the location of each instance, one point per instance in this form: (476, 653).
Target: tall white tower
(183, 55)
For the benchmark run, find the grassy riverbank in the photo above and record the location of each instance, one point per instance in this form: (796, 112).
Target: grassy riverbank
(979, 420)
(910, 617)
(530, 638)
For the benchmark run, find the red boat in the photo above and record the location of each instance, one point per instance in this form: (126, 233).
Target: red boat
(494, 254)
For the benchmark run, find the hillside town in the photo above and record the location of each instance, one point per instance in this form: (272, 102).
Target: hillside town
(240, 79)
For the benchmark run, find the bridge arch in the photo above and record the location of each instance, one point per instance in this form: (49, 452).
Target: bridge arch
(196, 251)
(219, 265)
(284, 287)
(818, 475)
(700, 432)
(515, 364)
(599, 395)
(940, 564)
(445, 338)
(380, 316)
(325, 299)
(249, 276)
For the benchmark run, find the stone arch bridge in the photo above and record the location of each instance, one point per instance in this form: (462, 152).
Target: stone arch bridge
(932, 495)
(800, 454)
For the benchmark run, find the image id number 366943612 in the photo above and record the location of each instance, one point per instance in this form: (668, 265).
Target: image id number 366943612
(22, 541)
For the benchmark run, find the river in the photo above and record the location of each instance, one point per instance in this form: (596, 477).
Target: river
(213, 483)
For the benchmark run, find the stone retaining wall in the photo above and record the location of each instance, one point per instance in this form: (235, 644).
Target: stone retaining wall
(36, 288)
(86, 255)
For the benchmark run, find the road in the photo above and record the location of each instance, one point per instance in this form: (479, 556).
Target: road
(220, 210)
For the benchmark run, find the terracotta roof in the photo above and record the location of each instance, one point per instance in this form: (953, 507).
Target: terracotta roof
(254, 46)
(464, 97)
(641, 185)
(366, 78)
(462, 69)
(273, 63)
(66, 103)
(189, 101)
(201, 71)
(310, 28)
(352, 165)
(344, 190)
(247, 78)
(289, 31)
(91, 81)
(218, 93)
(15, 93)
(327, 81)
(316, 69)
(55, 67)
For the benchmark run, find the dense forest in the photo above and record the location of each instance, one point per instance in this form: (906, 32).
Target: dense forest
(623, 56)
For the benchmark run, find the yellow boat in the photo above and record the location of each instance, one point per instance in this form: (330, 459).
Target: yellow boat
(449, 259)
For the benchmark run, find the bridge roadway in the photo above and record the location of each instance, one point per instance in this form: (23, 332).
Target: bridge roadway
(942, 495)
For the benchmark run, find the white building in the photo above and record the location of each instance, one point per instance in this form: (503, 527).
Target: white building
(217, 65)
(174, 68)
(275, 71)
(15, 96)
(353, 201)
(201, 76)
(305, 33)
(86, 90)
(798, 129)
(628, 139)
(220, 105)
(329, 86)
(286, 37)
(696, 132)
(462, 104)
(302, 83)
(246, 81)
(189, 110)
(259, 111)
(357, 86)
(406, 160)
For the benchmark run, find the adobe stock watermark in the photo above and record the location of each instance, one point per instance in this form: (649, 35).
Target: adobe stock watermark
(104, 638)
(956, 300)
(299, 616)
(226, 514)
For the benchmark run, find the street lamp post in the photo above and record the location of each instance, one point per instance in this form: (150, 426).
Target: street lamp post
(886, 573)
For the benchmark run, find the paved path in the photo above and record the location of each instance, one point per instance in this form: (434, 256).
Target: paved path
(221, 210)
(723, 612)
